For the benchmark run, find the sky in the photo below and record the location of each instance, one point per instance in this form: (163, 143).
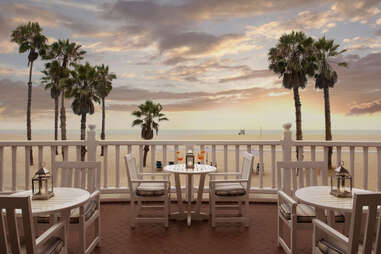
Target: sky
(205, 61)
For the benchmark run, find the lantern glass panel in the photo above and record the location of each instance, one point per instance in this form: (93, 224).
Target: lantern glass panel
(189, 160)
(341, 183)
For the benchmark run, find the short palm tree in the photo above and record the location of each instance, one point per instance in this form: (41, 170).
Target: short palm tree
(66, 53)
(149, 115)
(104, 87)
(325, 78)
(293, 60)
(82, 83)
(53, 73)
(30, 39)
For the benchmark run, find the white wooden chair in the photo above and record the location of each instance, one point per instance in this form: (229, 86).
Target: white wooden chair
(328, 240)
(297, 217)
(85, 175)
(51, 241)
(231, 191)
(147, 191)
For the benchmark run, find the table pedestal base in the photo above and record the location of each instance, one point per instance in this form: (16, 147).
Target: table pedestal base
(189, 217)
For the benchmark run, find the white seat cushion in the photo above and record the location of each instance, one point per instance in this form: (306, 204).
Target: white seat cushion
(329, 248)
(229, 189)
(52, 246)
(305, 213)
(150, 189)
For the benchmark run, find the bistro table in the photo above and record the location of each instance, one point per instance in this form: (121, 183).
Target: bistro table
(320, 198)
(199, 169)
(62, 202)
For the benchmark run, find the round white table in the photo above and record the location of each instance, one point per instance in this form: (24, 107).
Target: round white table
(62, 202)
(199, 169)
(320, 198)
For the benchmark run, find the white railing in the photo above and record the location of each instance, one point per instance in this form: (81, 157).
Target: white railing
(16, 172)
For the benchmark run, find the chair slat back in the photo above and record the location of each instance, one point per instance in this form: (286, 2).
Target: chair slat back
(247, 165)
(298, 174)
(132, 172)
(372, 234)
(8, 223)
(89, 174)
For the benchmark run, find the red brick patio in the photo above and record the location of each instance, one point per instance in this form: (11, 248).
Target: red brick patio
(260, 237)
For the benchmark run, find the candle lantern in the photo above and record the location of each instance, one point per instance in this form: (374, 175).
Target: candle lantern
(189, 160)
(42, 184)
(341, 183)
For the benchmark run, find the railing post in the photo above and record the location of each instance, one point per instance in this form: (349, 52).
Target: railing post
(287, 153)
(91, 143)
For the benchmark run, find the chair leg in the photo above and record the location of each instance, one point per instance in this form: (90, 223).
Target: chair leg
(83, 235)
(133, 213)
(247, 212)
(213, 212)
(293, 238)
(166, 208)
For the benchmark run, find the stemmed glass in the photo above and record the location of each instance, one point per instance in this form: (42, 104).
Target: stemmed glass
(179, 157)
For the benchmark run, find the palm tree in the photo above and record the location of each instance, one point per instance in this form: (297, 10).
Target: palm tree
(82, 83)
(104, 87)
(31, 40)
(293, 59)
(66, 53)
(149, 115)
(325, 78)
(53, 73)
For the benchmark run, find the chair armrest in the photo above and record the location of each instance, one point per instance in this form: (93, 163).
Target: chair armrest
(325, 229)
(95, 194)
(164, 175)
(150, 181)
(213, 175)
(229, 181)
(286, 198)
(49, 233)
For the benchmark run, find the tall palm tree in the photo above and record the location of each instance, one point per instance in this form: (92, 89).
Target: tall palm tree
(104, 87)
(66, 53)
(30, 39)
(82, 83)
(325, 78)
(293, 60)
(149, 115)
(53, 73)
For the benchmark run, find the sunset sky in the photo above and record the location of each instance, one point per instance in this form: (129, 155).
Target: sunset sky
(205, 61)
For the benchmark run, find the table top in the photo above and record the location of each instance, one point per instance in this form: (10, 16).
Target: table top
(319, 196)
(64, 198)
(198, 169)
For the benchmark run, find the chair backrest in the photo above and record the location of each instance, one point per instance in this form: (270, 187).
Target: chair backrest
(247, 166)
(293, 175)
(132, 172)
(372, 234)
(78, 174)
(8, 223)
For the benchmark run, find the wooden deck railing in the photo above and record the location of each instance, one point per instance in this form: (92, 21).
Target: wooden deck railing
(16, 172)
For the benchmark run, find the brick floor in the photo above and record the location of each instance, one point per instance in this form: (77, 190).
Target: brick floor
(260, 237)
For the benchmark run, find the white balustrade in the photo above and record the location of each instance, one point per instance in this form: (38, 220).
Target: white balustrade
(225, 154)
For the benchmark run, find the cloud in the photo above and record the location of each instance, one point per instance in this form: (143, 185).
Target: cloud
(366, 108)
(365, 43)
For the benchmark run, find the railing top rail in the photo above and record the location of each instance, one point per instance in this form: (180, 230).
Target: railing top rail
(337, 143)
(190, 142)
(42, 143)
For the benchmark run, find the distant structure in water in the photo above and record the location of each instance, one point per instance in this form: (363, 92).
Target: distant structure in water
(242, 132)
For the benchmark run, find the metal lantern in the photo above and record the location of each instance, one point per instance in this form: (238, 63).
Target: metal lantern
(189, 160)
(42, 184)
(341, 183)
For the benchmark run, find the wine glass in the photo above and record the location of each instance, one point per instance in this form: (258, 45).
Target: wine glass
(180, 159)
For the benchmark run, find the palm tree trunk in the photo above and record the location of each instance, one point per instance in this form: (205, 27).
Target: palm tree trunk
(63, 121)
(298, 119)
(328, 134)
(146, 149)
(103, 134)
(83, 135)
(28, 111)
(56, 102)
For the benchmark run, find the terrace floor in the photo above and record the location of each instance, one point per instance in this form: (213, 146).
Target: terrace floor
(260, 237)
